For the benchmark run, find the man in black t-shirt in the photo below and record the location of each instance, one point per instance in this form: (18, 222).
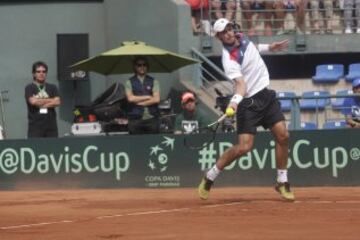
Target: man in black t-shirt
(41, 99)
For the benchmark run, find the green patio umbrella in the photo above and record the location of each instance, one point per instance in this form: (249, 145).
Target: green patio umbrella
(120, 60)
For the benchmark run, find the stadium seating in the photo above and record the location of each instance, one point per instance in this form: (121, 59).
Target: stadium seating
(286, 103)
(313, 104)
(354, 72)
(308, 126)
(337, 103)
(334, 124)
(329, 73)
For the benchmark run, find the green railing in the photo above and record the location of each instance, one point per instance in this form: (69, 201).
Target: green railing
(311, 25)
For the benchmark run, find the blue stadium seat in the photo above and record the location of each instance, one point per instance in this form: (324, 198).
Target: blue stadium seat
(334, 124)
(337, 103)
(313, 104)
(285, 104)
(329, 73)
(308, 126)
(354, 72)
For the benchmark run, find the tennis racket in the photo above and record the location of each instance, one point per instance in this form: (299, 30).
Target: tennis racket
(194, 140)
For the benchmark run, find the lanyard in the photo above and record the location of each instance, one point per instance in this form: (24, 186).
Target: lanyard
(40, 87)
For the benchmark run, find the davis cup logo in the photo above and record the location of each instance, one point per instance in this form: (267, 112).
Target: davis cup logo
(158, 157)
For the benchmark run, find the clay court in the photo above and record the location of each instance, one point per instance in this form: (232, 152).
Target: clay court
(230, 213)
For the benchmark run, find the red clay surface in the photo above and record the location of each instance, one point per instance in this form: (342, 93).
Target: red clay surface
(230, 213)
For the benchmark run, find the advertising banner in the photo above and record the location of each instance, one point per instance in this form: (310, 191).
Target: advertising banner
(316, 158)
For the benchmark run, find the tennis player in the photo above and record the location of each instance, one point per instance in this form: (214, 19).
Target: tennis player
(255, 105)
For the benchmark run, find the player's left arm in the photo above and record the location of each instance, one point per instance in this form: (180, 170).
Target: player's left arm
(52, 102)
(273, 47)
(54, 98)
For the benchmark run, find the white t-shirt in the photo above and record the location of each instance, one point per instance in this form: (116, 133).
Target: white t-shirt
(252, 69)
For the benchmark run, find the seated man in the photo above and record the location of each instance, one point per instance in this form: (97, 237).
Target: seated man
(297, 8)
(351, 7)
(300, 7)
(352, 106)
(190, 118)
(266, 8)
(218, 5)
(143, 95)
(321, 9)
(200, 16)
(282, 7)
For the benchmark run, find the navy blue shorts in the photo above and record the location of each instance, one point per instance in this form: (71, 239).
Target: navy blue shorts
(262, 109)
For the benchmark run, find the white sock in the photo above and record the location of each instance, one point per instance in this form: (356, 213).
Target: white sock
(282, 175)
(213, 173)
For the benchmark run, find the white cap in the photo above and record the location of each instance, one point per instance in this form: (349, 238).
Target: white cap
(220, 25)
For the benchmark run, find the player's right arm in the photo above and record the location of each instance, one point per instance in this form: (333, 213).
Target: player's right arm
(239, 92)
(233, 71)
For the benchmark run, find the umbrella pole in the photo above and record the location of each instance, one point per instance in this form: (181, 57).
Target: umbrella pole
(75, 87)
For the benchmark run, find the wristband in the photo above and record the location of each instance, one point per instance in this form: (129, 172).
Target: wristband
(237, 98)
(264, 47)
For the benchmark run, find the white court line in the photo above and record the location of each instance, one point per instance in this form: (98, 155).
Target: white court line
(316, 201)
(98, 217)
(35, 224)
(328, 201)
(158, 212)
(347, 201)
(222, 205)
(109, 216)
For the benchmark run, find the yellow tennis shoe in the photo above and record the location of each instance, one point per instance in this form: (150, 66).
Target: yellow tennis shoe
(284, 190)
(204, 188)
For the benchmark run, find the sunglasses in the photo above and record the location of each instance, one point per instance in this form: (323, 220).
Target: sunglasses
(40, 71)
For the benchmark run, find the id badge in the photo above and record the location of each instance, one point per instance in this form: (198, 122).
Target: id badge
(43, 110)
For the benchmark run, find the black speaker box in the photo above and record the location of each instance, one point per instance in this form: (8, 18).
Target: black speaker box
(71, 48)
